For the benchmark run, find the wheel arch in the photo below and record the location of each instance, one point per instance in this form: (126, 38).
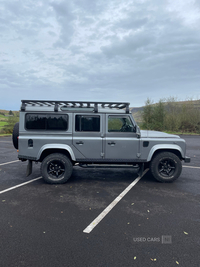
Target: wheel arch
(158, 149)
(55, 148)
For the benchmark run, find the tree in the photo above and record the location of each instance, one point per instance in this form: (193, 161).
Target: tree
(158, 116)
(8, 129)
(147, 115)
(172, 115)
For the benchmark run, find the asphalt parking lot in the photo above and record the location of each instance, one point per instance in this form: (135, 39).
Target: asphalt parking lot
(154, 224)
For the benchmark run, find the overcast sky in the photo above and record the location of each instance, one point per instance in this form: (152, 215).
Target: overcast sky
(100, 50)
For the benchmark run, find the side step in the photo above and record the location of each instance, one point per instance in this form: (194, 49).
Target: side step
(108, 166)
(138, 168)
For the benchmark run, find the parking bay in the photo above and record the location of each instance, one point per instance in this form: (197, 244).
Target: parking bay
(43, 224)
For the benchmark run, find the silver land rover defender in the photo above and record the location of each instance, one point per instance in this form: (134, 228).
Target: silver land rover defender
(60, 134)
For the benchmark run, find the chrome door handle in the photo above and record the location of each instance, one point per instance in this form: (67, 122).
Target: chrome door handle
(79, 143)
(111, 143)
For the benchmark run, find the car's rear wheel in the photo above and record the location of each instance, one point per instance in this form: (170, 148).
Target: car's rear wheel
(166, 167)
(56, 168)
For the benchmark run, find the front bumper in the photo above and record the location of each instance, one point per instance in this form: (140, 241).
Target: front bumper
(187, 160)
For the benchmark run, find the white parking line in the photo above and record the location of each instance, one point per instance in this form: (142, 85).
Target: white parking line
(9, 162)
(94, 223)
(19, 185)
(192, 167)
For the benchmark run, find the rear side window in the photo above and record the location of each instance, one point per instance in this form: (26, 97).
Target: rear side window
(87, 123)
(56, 122)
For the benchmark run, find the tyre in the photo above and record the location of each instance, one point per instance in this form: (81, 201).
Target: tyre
(56, 168)
(166, 167)
(15, 135)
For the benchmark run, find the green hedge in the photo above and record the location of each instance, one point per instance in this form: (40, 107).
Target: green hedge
(171, 115)
(9, 124)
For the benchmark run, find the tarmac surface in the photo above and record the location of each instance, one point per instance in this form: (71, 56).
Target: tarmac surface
(154, 224)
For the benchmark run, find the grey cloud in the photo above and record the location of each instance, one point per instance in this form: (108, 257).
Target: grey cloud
(52, 33)
(75, 49)
(65, 17)
(28, 9)
(63, 10)
(92, 7)
(23, 20)
(96, 50)
(128, 45)
(132, 23)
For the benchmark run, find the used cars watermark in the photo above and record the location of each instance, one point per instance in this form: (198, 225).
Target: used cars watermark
(164, 239)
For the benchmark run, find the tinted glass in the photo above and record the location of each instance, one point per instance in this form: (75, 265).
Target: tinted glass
(120, 124)
(56, 122)
(87, 123)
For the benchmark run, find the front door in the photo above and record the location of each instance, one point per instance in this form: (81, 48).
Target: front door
(121, 142)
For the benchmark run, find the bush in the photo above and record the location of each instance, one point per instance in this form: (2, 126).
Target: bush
(171, 115)
(8, 129)
(153, 115)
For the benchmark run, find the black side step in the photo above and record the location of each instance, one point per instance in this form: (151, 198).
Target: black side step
(108, 166)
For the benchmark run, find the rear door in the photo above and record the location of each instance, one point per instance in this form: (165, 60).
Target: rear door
(88, 136)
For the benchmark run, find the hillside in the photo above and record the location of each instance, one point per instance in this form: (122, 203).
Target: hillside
(137, 111)
(7, 121)
(6, 112)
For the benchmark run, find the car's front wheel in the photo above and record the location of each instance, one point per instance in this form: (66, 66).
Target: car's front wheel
(166, 167)
(56, 168)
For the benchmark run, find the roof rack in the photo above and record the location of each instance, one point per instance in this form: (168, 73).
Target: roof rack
(75, 104)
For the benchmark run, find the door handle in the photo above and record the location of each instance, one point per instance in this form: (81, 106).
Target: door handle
(79, 143)
(111, 143)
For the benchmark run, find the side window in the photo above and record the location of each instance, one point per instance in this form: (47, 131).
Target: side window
(55, 122)
(120, 124)
(86, 123)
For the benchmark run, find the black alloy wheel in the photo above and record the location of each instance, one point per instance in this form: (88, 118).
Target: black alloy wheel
(56, 168)
(166, 167)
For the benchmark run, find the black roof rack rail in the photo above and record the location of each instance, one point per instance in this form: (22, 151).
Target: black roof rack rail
(76, 104)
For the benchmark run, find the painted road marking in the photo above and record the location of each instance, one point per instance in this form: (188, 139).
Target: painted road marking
(19, 185)
(192, 167)
(9, 162)
(95, 222)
